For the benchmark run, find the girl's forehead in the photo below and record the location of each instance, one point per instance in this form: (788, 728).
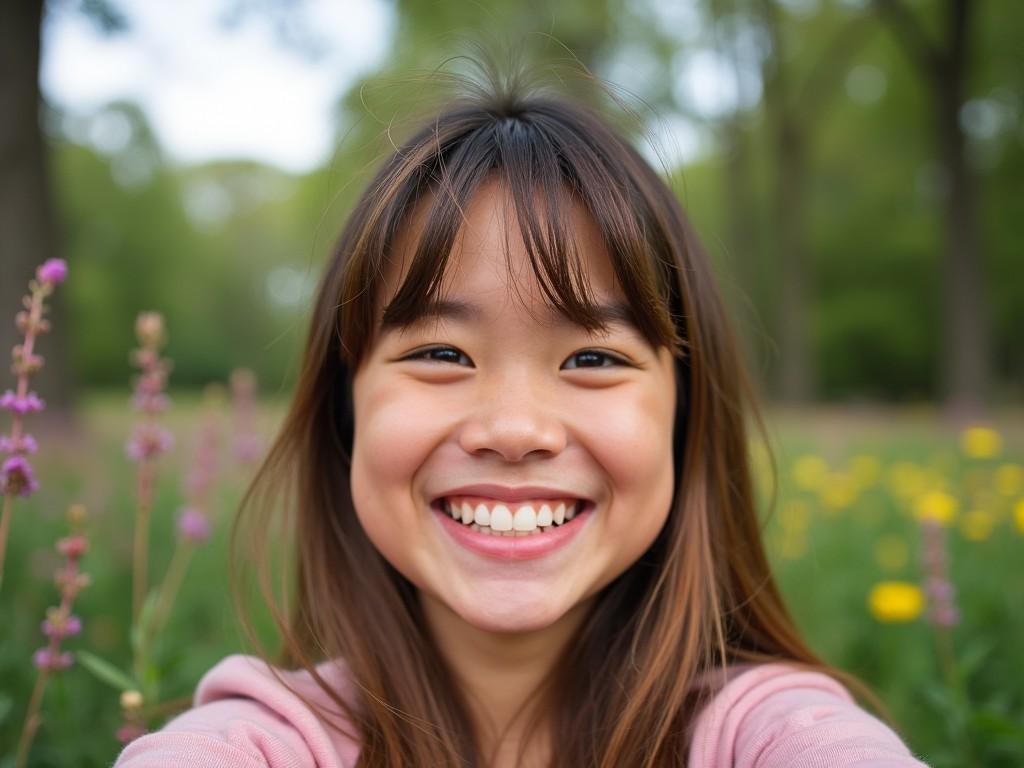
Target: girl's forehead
(489, 257)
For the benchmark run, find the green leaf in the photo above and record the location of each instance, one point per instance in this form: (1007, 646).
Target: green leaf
(107, 672)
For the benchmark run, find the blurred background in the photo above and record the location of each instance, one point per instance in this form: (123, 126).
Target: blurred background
(854, 168)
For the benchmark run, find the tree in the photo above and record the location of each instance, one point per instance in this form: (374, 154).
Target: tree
(944, 67)
(28, 232)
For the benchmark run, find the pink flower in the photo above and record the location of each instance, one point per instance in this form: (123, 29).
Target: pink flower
(52, 271)
(16, 477)
(22, 405)
(57, 625)
(73, 546)
(44, 658)
(193, 525)
(148, 441)
(150, 402)
(129, 732)
(24, 444)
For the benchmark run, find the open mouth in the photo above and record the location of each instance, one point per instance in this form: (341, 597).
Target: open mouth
(498, 518)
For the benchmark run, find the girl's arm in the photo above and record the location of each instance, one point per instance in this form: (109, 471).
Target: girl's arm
(776, 716)
(245, 718)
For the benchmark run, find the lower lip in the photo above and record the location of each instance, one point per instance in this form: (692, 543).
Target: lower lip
(526, 547)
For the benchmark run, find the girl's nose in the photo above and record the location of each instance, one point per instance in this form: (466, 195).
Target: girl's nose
(513, 421)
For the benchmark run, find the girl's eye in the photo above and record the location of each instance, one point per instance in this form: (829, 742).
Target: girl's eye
(440, 355)
(587, 358)
(592, 358)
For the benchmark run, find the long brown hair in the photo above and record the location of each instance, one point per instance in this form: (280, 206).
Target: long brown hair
(702, 597)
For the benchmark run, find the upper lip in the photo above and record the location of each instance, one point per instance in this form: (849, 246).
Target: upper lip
(508, 493)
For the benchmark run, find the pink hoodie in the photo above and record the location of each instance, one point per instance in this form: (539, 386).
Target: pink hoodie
(769, 716)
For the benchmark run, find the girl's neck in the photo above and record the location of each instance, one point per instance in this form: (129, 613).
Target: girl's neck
(500, 674)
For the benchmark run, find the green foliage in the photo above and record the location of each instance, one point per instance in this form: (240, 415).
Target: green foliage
(229, 251)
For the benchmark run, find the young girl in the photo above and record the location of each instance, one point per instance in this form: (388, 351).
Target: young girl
(516, 489)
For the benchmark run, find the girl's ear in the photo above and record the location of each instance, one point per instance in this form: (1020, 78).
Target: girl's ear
(344, 411)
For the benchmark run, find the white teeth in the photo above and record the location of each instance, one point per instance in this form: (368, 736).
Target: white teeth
(525, 519)
(559, 516)
(501, 518)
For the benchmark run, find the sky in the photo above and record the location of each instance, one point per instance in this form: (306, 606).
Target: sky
(211, 92)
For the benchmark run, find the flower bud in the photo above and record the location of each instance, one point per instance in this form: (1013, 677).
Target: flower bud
(131, 700)
(73, 546)
(149, 328)
(52, 271)
(76, 514)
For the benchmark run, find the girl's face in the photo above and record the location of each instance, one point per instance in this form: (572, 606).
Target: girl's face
(500, 408)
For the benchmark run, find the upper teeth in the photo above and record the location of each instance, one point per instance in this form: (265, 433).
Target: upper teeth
(499, 517)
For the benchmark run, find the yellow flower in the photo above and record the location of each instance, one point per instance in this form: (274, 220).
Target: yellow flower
(977, 524)
(1018, 515)
(937, 506)
(809, 472)
(838, 491)
(865, 469)
(891, 552)
(1009, 479)
(891, 601)
(980, 442)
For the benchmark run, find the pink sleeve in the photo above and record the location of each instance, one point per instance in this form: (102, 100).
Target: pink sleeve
(775, 716)
(243, 718)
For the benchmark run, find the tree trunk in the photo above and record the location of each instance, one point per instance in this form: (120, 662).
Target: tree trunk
(966, 360)
(27, 221)
(790, 218)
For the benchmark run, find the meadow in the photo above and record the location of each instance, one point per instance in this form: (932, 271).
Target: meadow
(864, 503)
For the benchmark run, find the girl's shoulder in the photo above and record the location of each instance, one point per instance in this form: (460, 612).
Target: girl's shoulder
(779, 714)
(247, 714)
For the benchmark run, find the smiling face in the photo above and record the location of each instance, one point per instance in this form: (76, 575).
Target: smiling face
(498, 401)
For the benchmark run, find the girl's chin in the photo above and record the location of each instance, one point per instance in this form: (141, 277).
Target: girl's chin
(508, 616)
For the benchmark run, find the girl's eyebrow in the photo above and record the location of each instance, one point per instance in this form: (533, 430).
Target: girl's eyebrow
(613, 313)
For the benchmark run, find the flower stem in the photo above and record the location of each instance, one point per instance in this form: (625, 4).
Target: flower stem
(28, 731)
(173, 578)
(5, 524)
(140, 558)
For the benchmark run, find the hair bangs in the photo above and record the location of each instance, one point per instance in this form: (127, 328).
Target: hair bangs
(545, 170)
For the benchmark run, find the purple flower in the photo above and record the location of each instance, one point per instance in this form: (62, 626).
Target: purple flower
(149, 440)
(44, 658)
(57, 625)
(24, 444)
(130, 732)
(52, 271)
(148, 402)
(193, 525)
(27, 404)
(944, 615)
(73, 546)
(16, 477)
